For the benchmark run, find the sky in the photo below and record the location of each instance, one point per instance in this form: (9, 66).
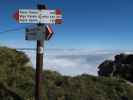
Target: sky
(89, 26)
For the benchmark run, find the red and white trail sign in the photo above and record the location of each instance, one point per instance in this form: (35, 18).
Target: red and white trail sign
(38, 16)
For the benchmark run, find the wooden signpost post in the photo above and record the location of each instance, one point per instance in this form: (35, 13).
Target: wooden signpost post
(40, 33)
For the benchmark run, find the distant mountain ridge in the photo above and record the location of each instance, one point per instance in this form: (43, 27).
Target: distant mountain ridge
(120, 67)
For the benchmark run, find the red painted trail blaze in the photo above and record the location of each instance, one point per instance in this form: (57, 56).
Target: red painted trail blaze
(58, 12)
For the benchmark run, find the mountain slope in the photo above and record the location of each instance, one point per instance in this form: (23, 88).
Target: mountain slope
(17, 80)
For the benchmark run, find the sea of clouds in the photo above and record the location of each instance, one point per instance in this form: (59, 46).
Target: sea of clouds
(74, 61)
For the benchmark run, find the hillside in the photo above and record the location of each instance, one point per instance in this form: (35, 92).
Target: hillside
(17, 82)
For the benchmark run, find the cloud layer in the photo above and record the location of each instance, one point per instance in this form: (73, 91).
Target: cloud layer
(73, 61)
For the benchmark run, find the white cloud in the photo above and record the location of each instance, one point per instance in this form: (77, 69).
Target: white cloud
(73, 61)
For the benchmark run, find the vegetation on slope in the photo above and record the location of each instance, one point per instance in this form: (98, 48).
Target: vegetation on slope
(17, 82)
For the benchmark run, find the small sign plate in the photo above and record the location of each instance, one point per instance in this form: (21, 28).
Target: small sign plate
(37, 33)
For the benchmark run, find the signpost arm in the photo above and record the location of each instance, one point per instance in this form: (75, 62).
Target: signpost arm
(39, 63)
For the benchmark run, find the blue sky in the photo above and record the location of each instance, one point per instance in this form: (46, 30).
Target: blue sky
(87, 25)
(93, 24)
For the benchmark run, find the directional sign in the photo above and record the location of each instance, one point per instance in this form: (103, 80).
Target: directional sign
(39, 33)
(36, 33)
(39, 16)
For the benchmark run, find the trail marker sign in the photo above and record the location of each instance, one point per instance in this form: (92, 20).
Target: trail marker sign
(37, 33)
(39, 16)
(42, 32)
